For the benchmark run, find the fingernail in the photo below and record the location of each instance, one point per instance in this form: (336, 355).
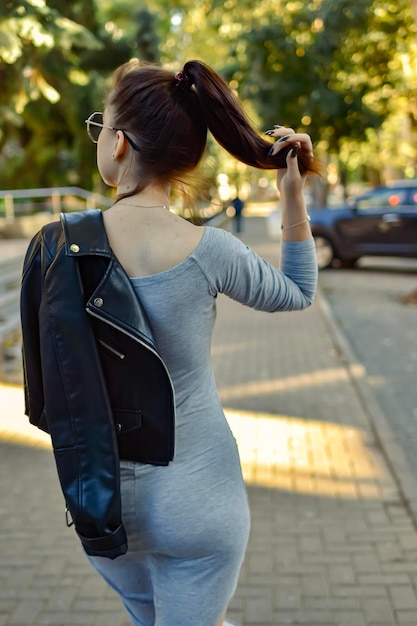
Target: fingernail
(284, 138)
(277, 126)
(268, 132)
(294, 151)
(271, 151)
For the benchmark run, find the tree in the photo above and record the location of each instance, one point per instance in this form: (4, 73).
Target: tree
(29, 32)
(336, 66)
(147, 41)
(414, 9)
(52, 67)
(333, 68)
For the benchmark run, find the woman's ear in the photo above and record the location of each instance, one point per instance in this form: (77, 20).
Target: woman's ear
(119, 145)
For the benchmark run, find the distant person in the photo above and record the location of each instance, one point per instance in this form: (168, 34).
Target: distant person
(238, 206)
(117, 314)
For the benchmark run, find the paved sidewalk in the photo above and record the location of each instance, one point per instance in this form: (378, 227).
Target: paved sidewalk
(332, 541)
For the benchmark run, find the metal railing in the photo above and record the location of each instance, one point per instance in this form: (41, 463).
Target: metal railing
(10, 272)
(20, 202)
(24, 205)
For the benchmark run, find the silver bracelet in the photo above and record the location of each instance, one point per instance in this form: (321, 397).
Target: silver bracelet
(307, 219)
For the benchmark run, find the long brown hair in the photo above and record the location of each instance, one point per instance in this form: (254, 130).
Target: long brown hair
(169, 114)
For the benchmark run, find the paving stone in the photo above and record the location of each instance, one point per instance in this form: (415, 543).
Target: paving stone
(406, 618)
(332, 542)
(66, 619)
(378, 609)
(26, 611)
(403, 597)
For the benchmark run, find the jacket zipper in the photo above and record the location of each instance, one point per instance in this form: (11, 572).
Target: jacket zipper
(120, 355)
(139, 341)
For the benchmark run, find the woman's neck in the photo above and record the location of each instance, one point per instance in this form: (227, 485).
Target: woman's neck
(151, 196)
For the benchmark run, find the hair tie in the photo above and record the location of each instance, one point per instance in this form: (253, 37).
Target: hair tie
(183, 80)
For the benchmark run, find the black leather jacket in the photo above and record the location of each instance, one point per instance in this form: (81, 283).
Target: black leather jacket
(93, 377)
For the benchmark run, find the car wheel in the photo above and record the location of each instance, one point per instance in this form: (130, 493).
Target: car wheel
(324, 251)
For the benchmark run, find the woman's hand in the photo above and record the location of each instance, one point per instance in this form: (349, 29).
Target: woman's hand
(290, 181)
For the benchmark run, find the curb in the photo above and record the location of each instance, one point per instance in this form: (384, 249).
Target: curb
(380, 426)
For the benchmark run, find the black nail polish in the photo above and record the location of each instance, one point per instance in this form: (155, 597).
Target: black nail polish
(294, 151)
(268, 132)
(284, 138)
(271, 151)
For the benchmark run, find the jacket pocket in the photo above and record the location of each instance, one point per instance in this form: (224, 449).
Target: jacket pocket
(127, 420)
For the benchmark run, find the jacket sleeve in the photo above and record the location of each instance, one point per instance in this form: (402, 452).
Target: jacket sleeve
(30, 300)
(80, 425)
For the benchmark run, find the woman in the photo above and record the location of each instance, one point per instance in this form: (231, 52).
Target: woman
(185, 514)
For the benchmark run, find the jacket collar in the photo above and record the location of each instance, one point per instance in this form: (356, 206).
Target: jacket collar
(85, 233)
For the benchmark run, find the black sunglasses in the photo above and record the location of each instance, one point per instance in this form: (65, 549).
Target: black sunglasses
(95, 126)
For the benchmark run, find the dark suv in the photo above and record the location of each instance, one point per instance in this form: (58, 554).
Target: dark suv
(382, 222)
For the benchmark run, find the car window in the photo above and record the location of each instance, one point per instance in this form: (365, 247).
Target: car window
(383, 198)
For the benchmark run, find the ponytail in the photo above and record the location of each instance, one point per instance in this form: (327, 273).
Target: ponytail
(228, 122)
(168, 115)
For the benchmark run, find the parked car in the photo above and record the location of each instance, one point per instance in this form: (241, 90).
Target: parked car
(382, 222)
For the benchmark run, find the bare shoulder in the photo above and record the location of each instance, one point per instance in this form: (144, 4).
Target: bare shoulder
(176, 231)
(150, 246)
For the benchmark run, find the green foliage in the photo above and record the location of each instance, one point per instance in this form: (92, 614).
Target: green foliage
(344, 71)
(147, 41)
(332, 67)
(29, 32)
(329, 63)
(53, 68)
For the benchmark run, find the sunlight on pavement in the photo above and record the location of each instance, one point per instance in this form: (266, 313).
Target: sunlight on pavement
(14, 425)
(305, 456)
(277, 451)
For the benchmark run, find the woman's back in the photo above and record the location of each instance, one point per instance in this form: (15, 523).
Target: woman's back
(150, 240)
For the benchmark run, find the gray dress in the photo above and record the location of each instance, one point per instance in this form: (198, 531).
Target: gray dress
(188, 523)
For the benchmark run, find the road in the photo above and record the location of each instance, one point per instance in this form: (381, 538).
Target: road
(382, 333)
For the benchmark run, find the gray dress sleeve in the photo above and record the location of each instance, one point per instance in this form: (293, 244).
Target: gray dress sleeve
(236, 270)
